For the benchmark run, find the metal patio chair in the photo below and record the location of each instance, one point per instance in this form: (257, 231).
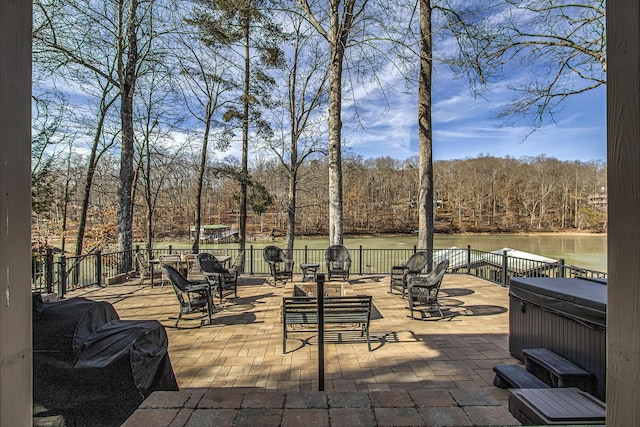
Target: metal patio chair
(338, 262)
(194, 297)
(280, 266)
(223, 281)
(400, 274)
(423, 291)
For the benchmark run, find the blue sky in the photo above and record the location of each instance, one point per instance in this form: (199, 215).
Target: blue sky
(464, 126)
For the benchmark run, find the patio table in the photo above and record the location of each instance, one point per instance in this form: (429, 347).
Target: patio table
(184, 263)
(309, 270)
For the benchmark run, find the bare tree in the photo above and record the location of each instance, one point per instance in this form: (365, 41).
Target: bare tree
(306, 76)
(98, 147)
(425, 131)
(205, 85)
(106, 39)
(346, 24)
(566, 39)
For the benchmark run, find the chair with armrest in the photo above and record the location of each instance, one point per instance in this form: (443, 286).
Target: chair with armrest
(280, 266)
(224, 282)
(400, 274)
(194, 297)
(238, 266)
(423, 291)
(338, 262)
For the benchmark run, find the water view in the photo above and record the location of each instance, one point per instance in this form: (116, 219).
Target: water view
(582, 250)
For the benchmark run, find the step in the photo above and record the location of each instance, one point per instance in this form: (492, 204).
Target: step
(562, 372)
(515, 376)
(556, 406)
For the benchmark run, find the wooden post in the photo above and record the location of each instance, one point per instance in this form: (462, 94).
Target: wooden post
(623, 187)
(16, 394)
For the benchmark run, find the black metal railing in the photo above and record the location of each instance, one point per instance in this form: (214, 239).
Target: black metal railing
(61, 274)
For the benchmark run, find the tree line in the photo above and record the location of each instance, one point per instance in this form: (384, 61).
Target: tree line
(484, 194)
(131, 98)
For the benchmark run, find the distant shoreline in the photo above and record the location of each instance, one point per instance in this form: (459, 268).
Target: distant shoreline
(484, 233)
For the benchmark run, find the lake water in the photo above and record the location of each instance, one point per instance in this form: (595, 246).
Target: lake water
(582, 250)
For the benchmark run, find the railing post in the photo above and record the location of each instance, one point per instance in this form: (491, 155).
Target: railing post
(62, 276)
(251, 259)
(99, 268)
(561, 267)
(306, 248)
(320, 308)
(170, 249)
(48, 270)
(504, 268)
(468, 259)
(415, 249)
(360, 259)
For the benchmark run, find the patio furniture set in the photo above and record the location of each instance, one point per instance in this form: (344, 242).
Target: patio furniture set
(337, 261)
(196, 296)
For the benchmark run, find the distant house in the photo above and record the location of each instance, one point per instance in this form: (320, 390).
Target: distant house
(214, 233)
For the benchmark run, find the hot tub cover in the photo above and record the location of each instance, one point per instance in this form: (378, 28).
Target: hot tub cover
(583, 300)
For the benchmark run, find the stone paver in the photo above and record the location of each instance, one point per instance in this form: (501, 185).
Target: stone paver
(221, 398)
(305, 418)
(429, 398)
(391, 399)
(490, 416)
(347, 399)
(352, 417)
(151, 417)
(307, 399)
(445, 416)
(473, 398)
(209, 417)
(398, 417)
(252, 417)
(263, 400)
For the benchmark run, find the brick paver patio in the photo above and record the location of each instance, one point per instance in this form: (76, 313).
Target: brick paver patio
(431, 372)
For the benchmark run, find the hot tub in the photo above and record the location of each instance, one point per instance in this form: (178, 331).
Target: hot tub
(567, 316)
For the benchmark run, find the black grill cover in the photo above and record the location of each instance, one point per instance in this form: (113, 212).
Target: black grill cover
(92, 367)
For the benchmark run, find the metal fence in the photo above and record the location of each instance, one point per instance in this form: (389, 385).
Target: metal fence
(61, 274)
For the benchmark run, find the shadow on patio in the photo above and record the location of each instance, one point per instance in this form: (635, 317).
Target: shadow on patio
(241, 352)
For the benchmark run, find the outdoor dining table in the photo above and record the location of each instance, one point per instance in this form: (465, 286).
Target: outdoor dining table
(184, 263)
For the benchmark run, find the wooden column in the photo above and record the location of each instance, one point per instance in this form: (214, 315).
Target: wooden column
(623, 152)
(15, 213)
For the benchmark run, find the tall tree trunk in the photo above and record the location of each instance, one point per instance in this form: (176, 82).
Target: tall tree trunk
(244, 174)
(195, 248)
(94, 156)
(291, 194)
(148, 198)
(127, 80)
(335, 145)
(425, 187)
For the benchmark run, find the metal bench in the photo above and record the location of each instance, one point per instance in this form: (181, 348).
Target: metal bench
(338, 310)
(515, 376)
(562, 373)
